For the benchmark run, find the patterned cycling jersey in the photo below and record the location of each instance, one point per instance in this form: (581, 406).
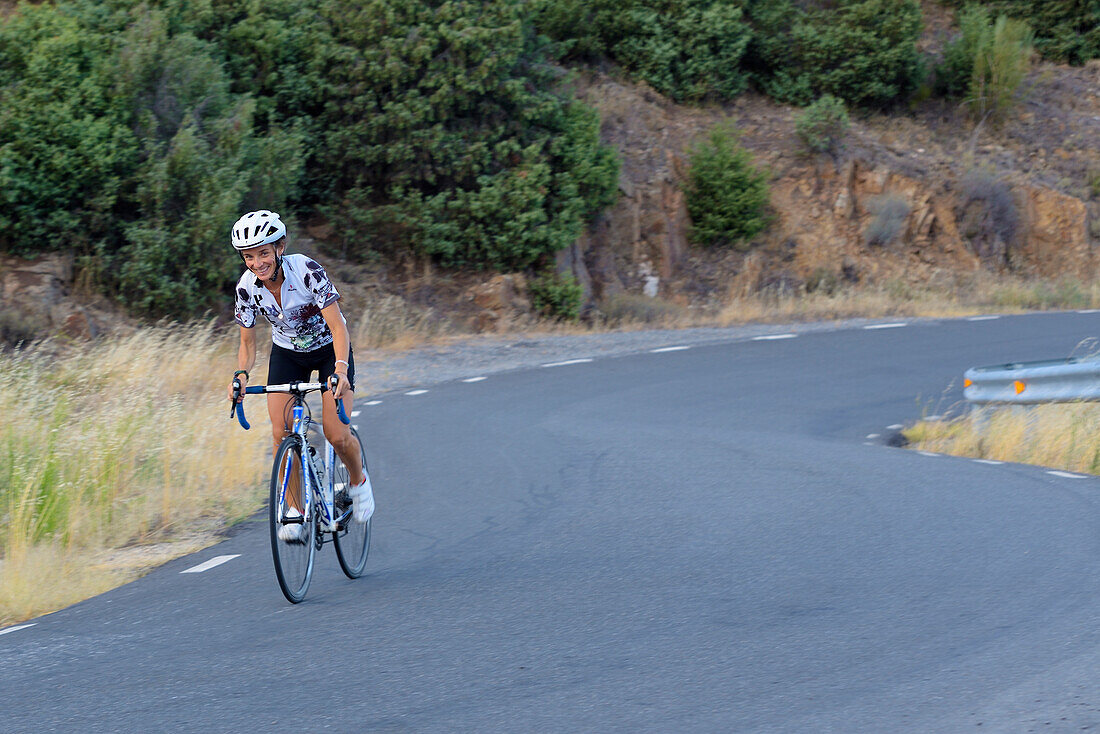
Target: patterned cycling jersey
(298, 324)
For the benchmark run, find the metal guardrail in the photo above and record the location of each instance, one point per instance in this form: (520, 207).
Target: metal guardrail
(1027, 383)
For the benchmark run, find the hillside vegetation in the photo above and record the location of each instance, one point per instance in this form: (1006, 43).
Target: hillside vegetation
(133, 133)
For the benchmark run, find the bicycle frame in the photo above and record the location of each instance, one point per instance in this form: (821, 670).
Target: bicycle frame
(312, 486)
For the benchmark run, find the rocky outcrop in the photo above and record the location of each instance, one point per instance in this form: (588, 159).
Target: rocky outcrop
(825, 211)
(35, 298)
(498, 301)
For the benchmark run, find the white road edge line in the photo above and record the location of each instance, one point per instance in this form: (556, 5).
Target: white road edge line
(1066, 475)
(884, 326)
(773, 337)
(990, 462)
(568, 362)
(17, 627)
(895, 427)
(983, 318)
(374, 402)
(668, 349)
(1090, 310)
(215, 561)
(416, 392)
(928, 453)
(475, 379)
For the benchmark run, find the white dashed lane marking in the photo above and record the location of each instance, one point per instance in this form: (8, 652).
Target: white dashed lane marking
(416, 392)
(884, 326)
(355, 414)
(872, 435)
(895, 427)
(983, 318)
(568, 362)
(17, 628)
(475, 379)
(1065, 475)
(991, 462)
(668, 349)
(374, 402)
(773, 337)
(215, 561)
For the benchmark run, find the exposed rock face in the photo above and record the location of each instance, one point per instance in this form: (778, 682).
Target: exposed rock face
(503, 297)
(35, 298)
(823, 209)
(1056, 234)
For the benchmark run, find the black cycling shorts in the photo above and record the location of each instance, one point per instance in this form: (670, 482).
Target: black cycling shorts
(286, 366)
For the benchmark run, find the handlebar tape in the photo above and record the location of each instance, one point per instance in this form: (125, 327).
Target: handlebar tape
(240, 416)
(339, 403)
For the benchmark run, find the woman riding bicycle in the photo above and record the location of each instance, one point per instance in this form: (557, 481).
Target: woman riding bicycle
(309, 333)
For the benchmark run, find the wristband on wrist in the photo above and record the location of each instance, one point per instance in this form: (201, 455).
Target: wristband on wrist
(241, 372)
(343, 362)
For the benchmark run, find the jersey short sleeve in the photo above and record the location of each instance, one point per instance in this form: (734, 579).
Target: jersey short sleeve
(244, 310)
(316, 280)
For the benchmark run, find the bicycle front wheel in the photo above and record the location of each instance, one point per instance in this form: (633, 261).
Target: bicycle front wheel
(293, 556)
(353, 542)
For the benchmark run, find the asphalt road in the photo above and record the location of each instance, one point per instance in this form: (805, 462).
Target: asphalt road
(696, 540)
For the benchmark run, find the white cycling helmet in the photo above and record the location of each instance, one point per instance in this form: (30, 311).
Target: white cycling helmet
(257, 228)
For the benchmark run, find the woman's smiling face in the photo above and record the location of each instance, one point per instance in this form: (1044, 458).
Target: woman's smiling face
(261, 260)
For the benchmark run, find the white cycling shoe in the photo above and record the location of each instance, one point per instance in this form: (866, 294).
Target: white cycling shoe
(292, 532)
(362, 499)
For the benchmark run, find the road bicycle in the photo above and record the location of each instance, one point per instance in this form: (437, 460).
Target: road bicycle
(322, 492)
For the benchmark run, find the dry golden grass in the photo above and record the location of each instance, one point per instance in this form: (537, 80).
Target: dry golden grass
(1060, 436)
(959, 295)
(118, 443)
(390, 322)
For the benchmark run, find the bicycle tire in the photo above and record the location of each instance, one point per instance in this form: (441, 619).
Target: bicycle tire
(352, 544)
(293, 561)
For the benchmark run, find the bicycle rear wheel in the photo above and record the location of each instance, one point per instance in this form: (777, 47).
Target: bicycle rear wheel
(353, 542)
(293, 560)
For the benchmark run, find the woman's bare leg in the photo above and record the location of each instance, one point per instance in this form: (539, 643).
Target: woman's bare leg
(278, 409)
(339, 435)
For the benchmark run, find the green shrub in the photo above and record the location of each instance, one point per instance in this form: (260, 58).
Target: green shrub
(822, 126)
(441, 128)
(863, 51)
(987, 215)
(1065, 30)
(136, 132)
(121, 140)
(727, 196)
(955, 72)
(687, 49)
(557, 297)
(1000, 67)
(888, 223)
(1093, 176)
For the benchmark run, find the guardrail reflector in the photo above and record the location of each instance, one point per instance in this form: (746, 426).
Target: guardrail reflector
(1020, 386)
(967, 382)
